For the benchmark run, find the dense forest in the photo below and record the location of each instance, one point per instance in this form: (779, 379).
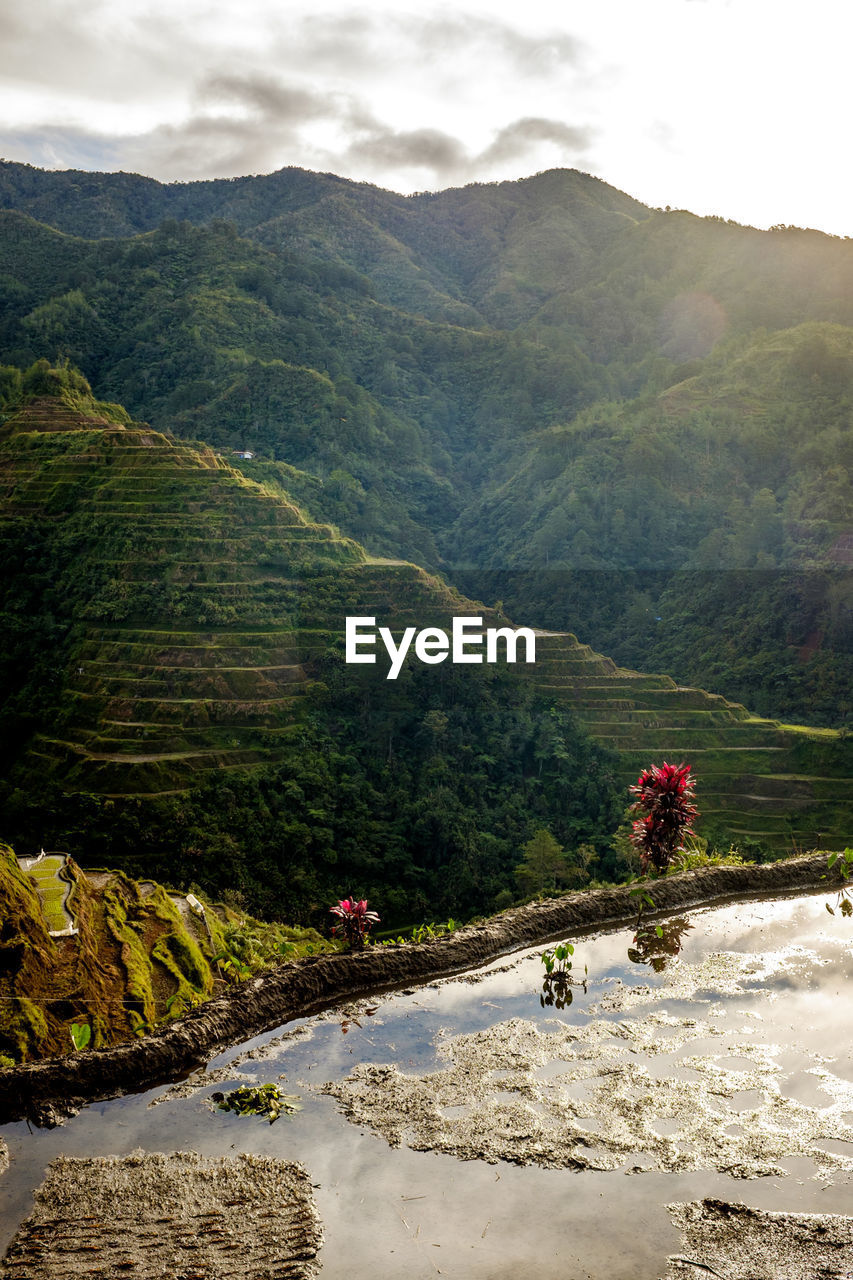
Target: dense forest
(160, 716)
(630, 424)
(426, 808)
(560, 398)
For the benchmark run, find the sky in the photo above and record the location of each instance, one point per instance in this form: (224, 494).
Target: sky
(739, 108)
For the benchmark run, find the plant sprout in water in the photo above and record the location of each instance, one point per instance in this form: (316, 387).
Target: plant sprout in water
(259, 1100)
(844, 863)
(557, 983)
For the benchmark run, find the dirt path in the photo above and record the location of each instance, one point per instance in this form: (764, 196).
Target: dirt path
(47, 1091)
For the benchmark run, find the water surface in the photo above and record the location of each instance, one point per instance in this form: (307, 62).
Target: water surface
(743, 1011)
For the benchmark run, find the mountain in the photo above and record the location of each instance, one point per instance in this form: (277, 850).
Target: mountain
(174, 634)
(176, 702)
(504, 382)
(726, 496)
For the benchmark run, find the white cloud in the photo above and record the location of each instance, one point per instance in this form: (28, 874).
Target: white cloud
(739, 109)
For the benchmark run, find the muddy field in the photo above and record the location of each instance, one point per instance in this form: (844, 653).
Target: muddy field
(653, 1091)
(48, 1091)
(739, 1243)
(468, 1125)
(157, 1217)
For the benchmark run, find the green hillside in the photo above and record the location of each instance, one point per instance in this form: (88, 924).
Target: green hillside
(138, 955)
(725, 496)
(194, 597)
(175, 693)
(185, 707)
(777, 786)
(522, 379)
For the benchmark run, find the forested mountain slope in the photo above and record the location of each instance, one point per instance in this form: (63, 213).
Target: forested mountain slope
(538, 377)
(174, 693)
(726, 496)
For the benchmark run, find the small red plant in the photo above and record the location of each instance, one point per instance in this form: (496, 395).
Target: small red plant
(354, 923)
(665, 802)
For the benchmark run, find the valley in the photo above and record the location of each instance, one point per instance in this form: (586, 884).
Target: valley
(236, 414)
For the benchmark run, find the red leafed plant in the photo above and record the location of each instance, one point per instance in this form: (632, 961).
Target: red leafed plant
(665, 804)
(354, 922)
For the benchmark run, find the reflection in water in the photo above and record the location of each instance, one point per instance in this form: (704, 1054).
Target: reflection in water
(557, 983)
(640, 1072)
(556, 991)
(843, 903)
(656, 944)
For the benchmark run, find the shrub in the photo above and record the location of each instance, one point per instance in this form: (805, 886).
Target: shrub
(665, 802)
(355, 922)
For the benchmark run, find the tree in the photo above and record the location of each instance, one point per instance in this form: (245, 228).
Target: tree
(543, 864)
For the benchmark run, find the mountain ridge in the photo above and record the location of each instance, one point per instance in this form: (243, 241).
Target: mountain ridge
(423, 361)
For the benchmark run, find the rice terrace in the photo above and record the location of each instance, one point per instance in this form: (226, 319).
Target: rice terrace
(425, 731)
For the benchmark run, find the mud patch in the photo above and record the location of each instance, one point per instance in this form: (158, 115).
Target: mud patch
(180, 1215)
(606, 1095)
(739, 1243)
(725, 973)
(195, 1083)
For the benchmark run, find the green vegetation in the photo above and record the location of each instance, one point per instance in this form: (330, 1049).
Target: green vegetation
(258, 1100)
(185, 712)
(140, 957)
(429, 931)
(498, 380)
(557, 982)
(422, 822)
(81, 1034)
(724, 497)
(567, 402)
(52, 887)
(696, 855)
(543, 865)
(556, 959)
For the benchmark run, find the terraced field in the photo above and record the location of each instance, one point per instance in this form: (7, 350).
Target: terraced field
(53, 891)
(213, 598)
(786, 785)
(210, 596)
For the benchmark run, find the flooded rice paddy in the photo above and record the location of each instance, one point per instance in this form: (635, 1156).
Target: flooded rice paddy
(485, 1127)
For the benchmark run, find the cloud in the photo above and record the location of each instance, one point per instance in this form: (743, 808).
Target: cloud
(55, 147)
(265, 98)
(515, 140)
(254, 124)
(358, 41)
(433, 97)
(429, 149)
(447, 159)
